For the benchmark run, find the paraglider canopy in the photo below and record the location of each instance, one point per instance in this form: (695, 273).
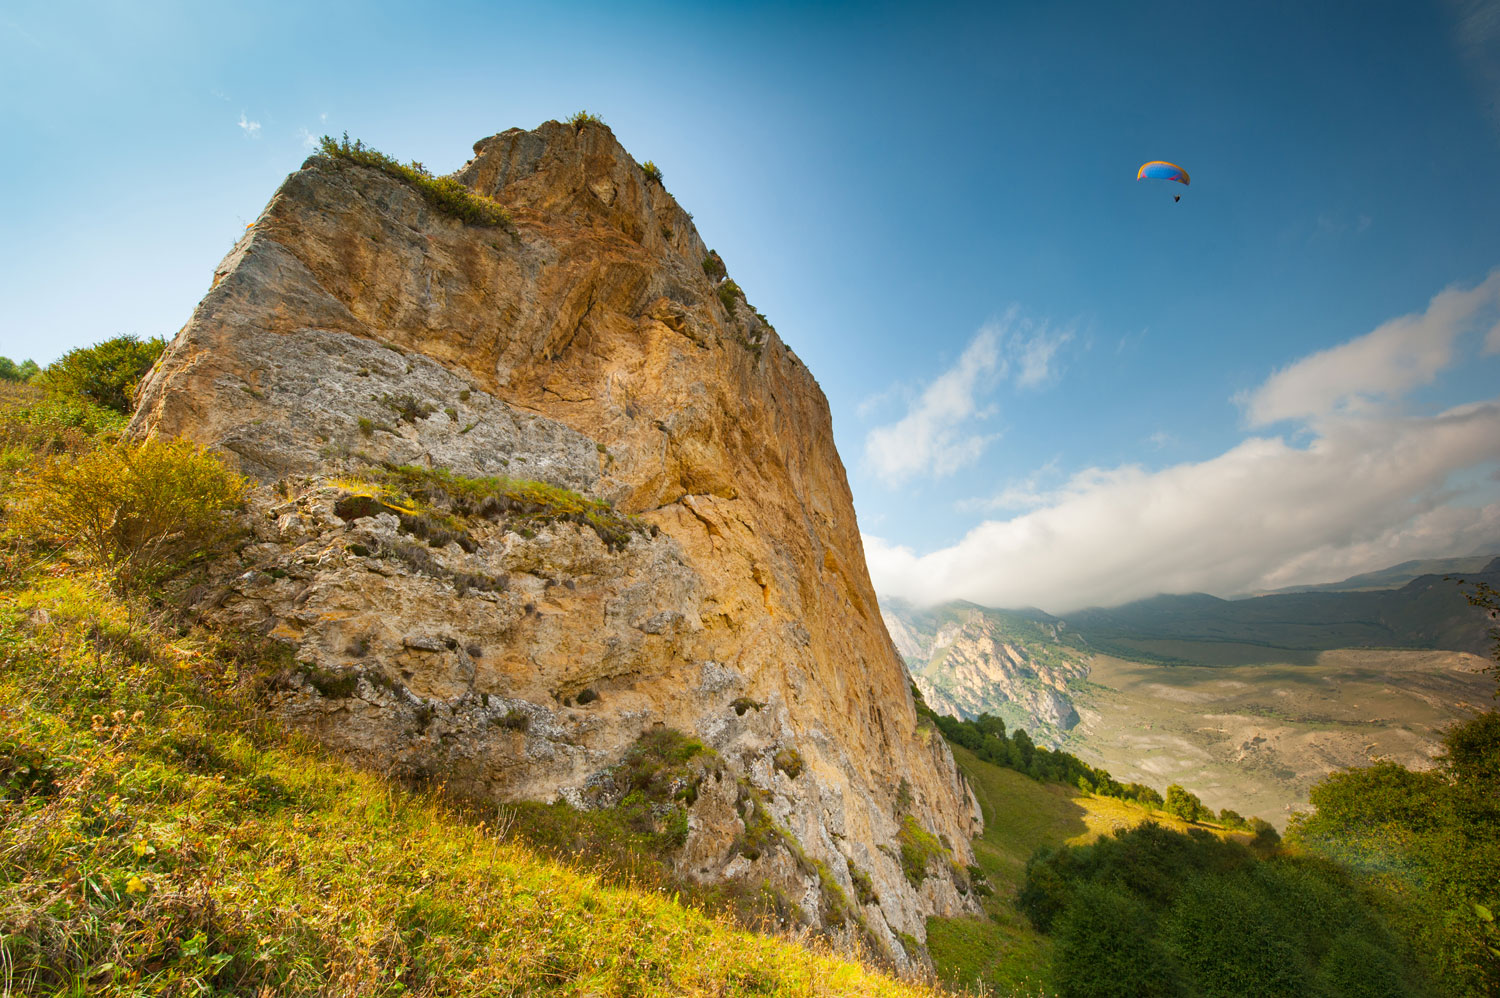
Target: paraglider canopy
(1159, 169)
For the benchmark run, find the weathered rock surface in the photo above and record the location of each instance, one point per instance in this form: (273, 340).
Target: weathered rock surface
(967, 661)
(586, 347)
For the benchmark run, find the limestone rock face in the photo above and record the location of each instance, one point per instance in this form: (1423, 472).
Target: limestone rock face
(968, 661)
(585, 346)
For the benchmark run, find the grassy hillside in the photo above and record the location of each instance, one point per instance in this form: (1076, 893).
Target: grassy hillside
(162, 834)
(1021, 815)
(159, 836)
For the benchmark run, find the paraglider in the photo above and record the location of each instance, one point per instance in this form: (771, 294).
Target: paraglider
(1159, 169)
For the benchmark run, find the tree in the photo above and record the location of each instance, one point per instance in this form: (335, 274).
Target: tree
(11, 371)
(107, 373)
(1185, 805)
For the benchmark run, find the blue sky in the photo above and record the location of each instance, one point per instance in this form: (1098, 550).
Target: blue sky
(1050, 384)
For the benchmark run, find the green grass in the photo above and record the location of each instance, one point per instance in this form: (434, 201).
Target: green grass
(160, 838)
(440, 496)
(444, 193)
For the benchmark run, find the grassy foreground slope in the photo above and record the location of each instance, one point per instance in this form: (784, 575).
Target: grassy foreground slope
(156, 837)
(1020, 816)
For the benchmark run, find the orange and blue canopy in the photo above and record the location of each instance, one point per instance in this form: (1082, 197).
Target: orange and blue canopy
(1161, 170)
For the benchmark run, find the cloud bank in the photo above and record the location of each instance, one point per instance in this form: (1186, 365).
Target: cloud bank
(1365, 485)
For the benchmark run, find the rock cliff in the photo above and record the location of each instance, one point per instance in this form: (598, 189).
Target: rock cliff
(530, 492)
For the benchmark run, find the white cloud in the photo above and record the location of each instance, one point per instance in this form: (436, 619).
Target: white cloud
(251, 128)
(1366, 485)
(931, 437)
(938, 435)
(1035, 356)
(1400, 355)
(309, 140)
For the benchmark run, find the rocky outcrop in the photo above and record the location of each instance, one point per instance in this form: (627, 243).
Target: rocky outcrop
(967, 661)
(517, 647)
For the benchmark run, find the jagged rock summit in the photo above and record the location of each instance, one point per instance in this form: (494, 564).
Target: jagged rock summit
(671, 545)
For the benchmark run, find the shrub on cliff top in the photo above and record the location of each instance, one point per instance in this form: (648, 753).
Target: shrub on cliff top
(582, 118)
(652, 171)
(444, 193)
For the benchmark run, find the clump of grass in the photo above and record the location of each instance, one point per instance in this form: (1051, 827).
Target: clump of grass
(918, 848)
(515, 720)
(444, 193)
(580, 119)
(742, 704)
(789, 761)
(521, 504)
(652, 172)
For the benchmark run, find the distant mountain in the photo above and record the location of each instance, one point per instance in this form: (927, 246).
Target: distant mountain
(1427, 612)
(1021, 665)
(1388, 578)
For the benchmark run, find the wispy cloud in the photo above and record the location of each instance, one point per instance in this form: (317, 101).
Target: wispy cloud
(1476, 35)
(933, 436)
(941, 431)
(1363, 485)
(309, 140)
(250, 128)
(1387, 362)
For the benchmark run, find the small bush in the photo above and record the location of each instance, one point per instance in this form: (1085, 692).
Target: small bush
(134, 510)
(789, 761)
(587, 697)
(106, 373)
(713, 266)
(581, 118)
(652, 171)
(444, 193)
(515, 720)
(864, 887)
(742, 704)
(729, 296)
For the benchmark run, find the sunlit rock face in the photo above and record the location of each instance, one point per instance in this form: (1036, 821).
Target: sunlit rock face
(585, 346)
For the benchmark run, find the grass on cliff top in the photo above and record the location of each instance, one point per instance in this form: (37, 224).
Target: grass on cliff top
(444, 193)
(158, 836)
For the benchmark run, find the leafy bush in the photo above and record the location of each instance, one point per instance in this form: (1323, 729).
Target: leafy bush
(444, 193)
(652, 171)
(581, 118)
(106, 373)
(134, 510)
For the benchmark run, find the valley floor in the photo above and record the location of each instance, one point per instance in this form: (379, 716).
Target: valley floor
(1253, 728)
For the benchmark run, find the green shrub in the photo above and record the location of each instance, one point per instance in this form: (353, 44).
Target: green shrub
(27, 369)
(742, 704)
(713, 266)
(652, 171)
(864, 887)
(106, 373)
(729, 296)
(444, 193)
(133, 510)
(581, 118)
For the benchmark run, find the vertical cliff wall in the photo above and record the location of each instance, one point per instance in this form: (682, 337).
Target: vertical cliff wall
(584, 345)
